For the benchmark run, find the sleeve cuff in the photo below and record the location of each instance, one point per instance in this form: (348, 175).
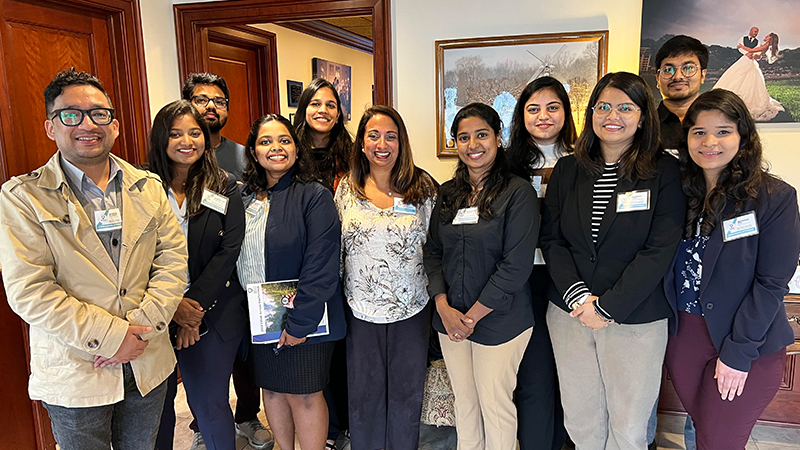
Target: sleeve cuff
(602, 312)
(576, 294)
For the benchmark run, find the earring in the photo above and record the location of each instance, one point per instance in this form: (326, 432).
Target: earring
(362, 150)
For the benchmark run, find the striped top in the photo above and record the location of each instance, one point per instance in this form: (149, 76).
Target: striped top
(251, 265)
(603, 191)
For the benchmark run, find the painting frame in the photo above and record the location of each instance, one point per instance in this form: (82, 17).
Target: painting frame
(445, 47)
(293, 91)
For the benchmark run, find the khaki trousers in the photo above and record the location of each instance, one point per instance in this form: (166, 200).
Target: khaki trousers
(609, 379)
(483, 378)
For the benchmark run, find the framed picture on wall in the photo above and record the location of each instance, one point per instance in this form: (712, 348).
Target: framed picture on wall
(339, 76)
(293, 91)
(495, 70)
(755, 54)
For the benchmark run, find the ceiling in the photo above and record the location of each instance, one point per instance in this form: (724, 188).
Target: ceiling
(360, 25)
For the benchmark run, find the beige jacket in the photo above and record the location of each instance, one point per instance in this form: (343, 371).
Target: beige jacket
(60, 280)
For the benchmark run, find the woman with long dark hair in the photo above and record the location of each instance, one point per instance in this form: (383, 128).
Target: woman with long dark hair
(385, 205)
(542, 130)
(292, 232)
(478, 258)
(209, 323)
(612, 220)
(319, 124)
(740, 246)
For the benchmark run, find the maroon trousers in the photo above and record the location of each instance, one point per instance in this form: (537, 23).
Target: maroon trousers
(691, 361)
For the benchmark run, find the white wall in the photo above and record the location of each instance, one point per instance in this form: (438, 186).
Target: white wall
(416, 24)
(295, 51)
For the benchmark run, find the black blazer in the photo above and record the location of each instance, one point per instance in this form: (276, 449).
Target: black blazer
(214, 242)
(744, 280)
(626, 267)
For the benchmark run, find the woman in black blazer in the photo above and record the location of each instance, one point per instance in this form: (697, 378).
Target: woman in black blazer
(612, 220)
(210, 320)
(726, 285)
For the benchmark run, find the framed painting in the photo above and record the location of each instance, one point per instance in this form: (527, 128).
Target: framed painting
(495, 70)
(293, 91)
(339, 76)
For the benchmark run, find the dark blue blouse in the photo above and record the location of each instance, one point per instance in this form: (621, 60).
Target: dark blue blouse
(688, 273)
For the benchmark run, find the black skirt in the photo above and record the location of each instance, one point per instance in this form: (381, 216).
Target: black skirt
(298, 370)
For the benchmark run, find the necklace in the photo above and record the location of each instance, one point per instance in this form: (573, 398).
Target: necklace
(389, 193)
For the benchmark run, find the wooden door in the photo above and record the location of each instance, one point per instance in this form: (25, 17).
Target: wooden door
(238, 67)
(40, 38)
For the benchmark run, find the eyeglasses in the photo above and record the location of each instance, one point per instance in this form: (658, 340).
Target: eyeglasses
(201, 101)
(688, 70)
(72, 117)
(603, 109)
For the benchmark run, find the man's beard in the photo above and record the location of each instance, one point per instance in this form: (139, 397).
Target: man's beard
(215, 125)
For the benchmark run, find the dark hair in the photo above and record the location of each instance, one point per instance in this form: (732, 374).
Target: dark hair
(638, 160)
(255, 176)
(739, 180)
(195, 79)
(456, 194)
(413, 183)
(773, 43)
(524, 155)
(67, 78)
(682, 44)
(203, 174)
(340, 145)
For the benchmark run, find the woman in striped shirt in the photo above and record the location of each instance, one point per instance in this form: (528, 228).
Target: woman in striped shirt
(613, 217)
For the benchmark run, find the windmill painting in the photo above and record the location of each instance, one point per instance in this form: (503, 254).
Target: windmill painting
(495, 70)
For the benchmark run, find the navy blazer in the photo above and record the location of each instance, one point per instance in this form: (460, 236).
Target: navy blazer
(744, 280)
(214, 242)
(303, 241)
(625, 269)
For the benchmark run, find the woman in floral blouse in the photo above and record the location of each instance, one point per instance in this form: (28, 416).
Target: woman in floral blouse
(385, 205)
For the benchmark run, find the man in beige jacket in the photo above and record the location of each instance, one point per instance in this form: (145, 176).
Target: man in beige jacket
(95, 261)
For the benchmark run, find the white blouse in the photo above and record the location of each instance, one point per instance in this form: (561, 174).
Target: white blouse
(384, 279)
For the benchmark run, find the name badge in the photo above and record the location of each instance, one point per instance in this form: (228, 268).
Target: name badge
(740, 227)
(212, 200)
(107, 220)
(402, 208)
(537, 184)
(466, 216)
(254, 207)
(633, 201)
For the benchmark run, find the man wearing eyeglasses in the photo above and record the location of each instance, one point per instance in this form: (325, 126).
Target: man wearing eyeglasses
(682, 65)
(95, 261)
(210, 96)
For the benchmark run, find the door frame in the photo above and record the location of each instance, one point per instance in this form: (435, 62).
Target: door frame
(127, 59)
(192, 21)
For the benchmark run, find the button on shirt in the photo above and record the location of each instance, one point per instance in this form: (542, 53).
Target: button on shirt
(92, 198)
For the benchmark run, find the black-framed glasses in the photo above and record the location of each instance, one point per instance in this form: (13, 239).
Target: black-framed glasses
(602, 109)
(72, 117)
(688, 70)
(201, 101)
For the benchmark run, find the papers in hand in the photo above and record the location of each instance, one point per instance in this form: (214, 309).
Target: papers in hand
(269, 305)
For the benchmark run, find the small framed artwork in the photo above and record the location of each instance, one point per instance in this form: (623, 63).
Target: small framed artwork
(495, 70)
(339, 76)
(293, 91)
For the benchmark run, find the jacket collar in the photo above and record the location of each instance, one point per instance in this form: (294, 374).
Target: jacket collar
(285, 181)
(52, 176)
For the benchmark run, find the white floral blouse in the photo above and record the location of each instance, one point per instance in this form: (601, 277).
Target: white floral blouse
(384, 279)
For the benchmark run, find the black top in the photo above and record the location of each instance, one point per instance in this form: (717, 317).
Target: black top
(744, 280)
(626, 267)
(489, 261)
(213, 243)
(671, 129)
(230, 156)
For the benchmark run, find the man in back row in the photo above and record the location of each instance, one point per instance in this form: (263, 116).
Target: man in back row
(95, 261)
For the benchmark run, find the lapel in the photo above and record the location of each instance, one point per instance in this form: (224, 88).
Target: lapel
(137, 212)
(610, 214)
(585, 190)
(197, 228)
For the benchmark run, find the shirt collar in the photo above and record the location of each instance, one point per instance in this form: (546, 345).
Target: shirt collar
(77, 176)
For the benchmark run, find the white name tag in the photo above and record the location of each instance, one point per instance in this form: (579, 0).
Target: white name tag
(254, 207)
(466, 216)
(107, 220)
(402, 208)
(633, 201)
(740, 227)
(536, 181)
(212, 200)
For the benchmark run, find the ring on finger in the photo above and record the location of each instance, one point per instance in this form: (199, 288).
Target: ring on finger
(456, 335)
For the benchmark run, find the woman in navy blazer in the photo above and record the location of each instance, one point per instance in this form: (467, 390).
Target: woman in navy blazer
(612, 220)
(208, 205)
(726, 285)
(292, 232)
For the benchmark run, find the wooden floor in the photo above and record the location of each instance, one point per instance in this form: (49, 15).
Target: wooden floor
(670, 433)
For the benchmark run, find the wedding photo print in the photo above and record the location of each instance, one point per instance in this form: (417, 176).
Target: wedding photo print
(754, 49)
